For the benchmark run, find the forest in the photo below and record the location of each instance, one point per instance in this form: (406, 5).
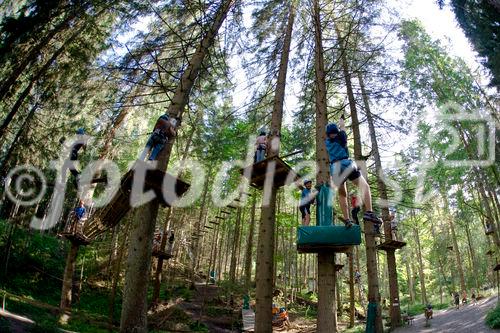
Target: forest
(249, 166)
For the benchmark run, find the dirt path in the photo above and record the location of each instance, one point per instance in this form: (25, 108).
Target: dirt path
(469, 319)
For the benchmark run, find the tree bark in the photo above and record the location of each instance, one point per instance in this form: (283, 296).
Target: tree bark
(456, 250)
(159, 266)
(327, 313)
(420, 266)
(352, 298)
(265, 246)
(394, 303)
(134, 309)
(235, 244)
(67, 285)
(249, 249)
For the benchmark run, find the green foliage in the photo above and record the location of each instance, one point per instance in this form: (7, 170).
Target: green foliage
(480, 22)
(493, 318)
(198, 327)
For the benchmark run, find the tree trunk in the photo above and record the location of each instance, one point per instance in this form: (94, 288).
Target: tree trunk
(265, 246)
(159, 266)
(352, 102)
(116, 276)
(249, 249)
(352, 300)
(456, 250)
(327, 313)
(69, 270)
(394, 303)
(474, 268)
(199, 224)
(420, 265)
(133, 317)
(411, 289)
(235, 243)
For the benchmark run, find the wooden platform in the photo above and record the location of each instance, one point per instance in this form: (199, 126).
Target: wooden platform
(225, 212)
(391, 245)
(108, 216)
(161, 255)
(282, 175)
(76, 238)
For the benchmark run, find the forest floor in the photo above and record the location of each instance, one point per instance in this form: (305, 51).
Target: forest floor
(469, 318)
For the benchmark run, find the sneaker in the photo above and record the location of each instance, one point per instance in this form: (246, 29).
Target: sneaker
(348, 223)
(372, 217)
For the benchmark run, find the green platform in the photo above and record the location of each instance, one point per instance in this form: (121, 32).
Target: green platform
(337, 238)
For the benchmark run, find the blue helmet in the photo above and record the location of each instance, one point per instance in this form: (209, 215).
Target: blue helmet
(80, 131)
(332, 129)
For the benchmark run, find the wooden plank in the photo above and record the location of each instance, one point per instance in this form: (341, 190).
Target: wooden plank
(391, 245)
(258, 173)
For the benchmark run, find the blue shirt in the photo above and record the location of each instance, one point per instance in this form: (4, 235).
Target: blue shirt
(79, 212)
(305, 197)
(337, 147)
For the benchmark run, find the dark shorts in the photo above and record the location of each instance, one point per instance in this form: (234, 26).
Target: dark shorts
(306, 209)
(348, 170)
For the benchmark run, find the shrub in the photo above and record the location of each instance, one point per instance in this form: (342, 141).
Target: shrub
(493, 318)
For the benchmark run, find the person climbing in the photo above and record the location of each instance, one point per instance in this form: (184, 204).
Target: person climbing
(357, 277)
(80, 212)
(355, 207)
(456, 298)
(157, 241)
(394, 223)
(260, 147)
(342, 168)
(165, 128)
(75, 150)
(306, 200)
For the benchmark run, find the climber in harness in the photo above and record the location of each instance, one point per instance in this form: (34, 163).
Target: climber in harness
(357, 277)
(75, 150)
(260, 147)
(394, 223)
(80, 214)
(165, 128)
(343, 168)
(306, 200)
(171, 239)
